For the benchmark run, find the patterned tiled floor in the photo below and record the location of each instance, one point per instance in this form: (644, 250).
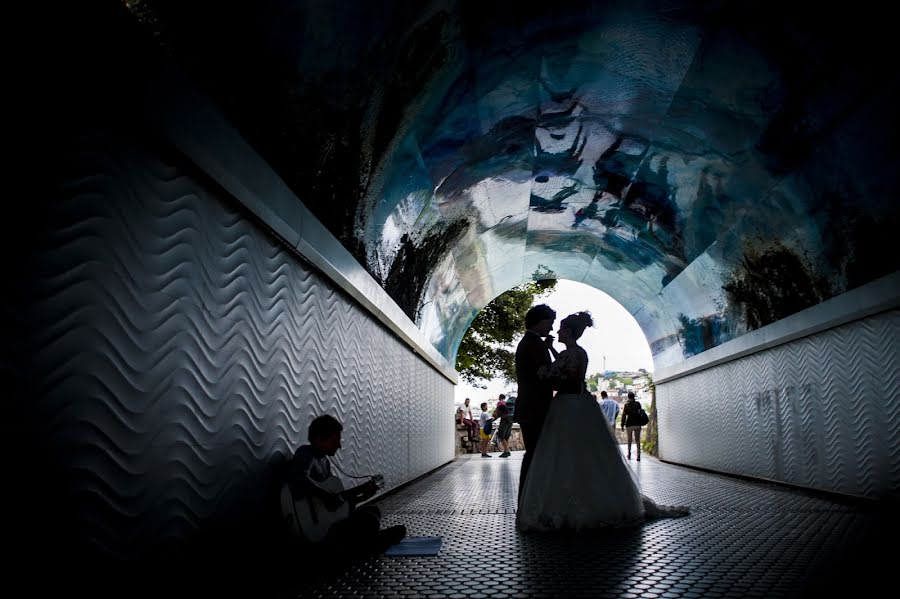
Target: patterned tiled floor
(742, 539)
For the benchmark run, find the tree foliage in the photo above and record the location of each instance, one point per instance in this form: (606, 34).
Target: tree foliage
(487, 350)
(650, 443)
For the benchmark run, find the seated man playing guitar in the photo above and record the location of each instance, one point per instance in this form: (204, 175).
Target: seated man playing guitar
(319, 511)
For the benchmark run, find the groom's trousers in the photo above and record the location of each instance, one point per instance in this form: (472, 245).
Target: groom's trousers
(530, 434)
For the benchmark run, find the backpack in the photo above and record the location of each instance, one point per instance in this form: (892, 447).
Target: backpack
(637, 416)
(642, 417)
(488, 427)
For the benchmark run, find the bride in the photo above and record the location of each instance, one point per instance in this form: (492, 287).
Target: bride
(578, 479)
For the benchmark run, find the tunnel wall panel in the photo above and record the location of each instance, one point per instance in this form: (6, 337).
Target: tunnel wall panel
(821, 411)
(170, 354)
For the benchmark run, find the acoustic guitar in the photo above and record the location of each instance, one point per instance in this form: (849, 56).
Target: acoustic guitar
(309, 518)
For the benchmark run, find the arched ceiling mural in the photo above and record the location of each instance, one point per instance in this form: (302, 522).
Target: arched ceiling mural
(713, 166)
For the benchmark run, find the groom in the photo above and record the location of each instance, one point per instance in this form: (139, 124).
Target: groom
(535, 394)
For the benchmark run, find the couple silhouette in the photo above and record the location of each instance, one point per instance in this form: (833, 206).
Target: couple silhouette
(573, 475)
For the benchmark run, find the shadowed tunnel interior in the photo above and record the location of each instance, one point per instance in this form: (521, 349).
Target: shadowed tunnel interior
(713, 166)
(719, 168)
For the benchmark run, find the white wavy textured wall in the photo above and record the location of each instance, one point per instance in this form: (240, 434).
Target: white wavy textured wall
(822, 411)
(178, 350)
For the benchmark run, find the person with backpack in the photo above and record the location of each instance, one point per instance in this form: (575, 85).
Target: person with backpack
(633, 418)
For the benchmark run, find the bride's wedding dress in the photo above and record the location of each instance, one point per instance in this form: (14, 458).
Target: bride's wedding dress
(578, 479)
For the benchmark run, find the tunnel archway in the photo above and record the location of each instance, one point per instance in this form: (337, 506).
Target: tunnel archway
(728, 173)
(228, 224)
(618, 155)
(714, 162)
(615, 342)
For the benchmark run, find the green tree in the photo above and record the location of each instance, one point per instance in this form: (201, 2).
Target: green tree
(650, 443)
(593, 381)
(486, 350)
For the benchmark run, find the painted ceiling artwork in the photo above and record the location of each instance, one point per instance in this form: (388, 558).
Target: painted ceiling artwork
(712, 166)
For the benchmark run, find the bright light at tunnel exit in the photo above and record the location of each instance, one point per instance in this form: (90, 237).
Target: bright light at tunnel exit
(615, 334)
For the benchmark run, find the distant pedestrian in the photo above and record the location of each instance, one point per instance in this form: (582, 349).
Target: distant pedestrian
(504, 430)
(468, 420)
(487, 427)
(610, 408)
(631, 414)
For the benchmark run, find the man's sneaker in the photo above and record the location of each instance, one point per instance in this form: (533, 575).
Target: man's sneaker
(486, 455)
(505, 454)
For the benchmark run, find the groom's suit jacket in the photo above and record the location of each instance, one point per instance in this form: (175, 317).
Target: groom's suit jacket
(534, 393)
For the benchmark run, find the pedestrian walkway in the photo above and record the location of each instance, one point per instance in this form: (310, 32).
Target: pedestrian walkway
(742, 539)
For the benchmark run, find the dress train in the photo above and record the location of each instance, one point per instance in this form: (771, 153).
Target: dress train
(578, 479)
